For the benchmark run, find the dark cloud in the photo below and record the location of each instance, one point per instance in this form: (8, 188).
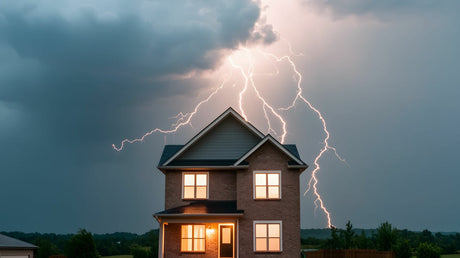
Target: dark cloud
(77, 76)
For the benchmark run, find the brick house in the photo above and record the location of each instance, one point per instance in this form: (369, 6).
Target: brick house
(231, 191)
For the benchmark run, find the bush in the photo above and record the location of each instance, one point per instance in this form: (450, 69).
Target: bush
(138, 251)
(402, 249)
(428, 250)
(81, 245)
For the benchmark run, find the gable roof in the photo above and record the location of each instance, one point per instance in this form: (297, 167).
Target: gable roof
(208, 128)
(7, 242)
(224, 144)
(282, 148)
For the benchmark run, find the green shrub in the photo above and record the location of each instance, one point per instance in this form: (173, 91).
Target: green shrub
(428, 250)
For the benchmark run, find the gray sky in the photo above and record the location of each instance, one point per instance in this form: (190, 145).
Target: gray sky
(76, 77)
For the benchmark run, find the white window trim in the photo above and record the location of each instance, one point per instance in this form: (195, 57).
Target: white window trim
(254, 183)
(267, 222)
(207, 185)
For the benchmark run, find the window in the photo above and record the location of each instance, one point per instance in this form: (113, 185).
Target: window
(267, 236)
(267, 185)
(195, 186)
(192, 238)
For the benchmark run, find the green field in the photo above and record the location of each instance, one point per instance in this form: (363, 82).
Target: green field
(450, 256)
(118, 256)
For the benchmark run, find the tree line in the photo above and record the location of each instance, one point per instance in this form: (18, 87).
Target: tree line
(83, 244)
(404, 243)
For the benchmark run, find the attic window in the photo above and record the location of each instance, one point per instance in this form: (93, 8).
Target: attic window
(195, 185)
(267, 185)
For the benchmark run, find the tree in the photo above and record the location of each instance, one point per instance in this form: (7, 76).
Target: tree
(46, 248)
(428, 250)
(402, 249)
(386, 236)
(426, 236)
(138, 251)
(362, 242)
(334, 242)
(347, 236)
(81, 245)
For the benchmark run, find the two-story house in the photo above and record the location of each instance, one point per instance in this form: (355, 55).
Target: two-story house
(231, 191)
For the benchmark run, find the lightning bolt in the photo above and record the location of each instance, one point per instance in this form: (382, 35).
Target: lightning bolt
(183, 119)
(249, 79)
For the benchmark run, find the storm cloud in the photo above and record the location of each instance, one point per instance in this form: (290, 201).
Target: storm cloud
(75, 76)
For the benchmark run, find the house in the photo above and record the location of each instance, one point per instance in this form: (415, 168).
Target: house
(231, 191)
(14, 248)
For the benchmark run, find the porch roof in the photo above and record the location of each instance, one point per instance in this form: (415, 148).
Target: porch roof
(203, 208)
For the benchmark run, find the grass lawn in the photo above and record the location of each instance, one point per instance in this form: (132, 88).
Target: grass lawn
(450, 256)
(118, 256)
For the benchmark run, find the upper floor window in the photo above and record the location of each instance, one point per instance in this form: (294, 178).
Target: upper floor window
(267, 236)
(267, 185)
(192, 238)
(195, 185)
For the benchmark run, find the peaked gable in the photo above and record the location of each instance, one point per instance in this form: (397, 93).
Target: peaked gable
(297, 162)
(228, 137)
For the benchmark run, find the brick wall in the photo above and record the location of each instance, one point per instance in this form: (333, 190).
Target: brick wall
(172, 241)
(267, 157)
(222, 186)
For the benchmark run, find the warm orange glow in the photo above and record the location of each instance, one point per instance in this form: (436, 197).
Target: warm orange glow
(195, 186)
(210, 231)
(268, 237)
(192, 238)
(267, 185)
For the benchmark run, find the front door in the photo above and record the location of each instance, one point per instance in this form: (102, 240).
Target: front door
(226, 241)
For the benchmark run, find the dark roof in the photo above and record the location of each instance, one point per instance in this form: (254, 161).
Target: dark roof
(203, 208)
(204, 162)
(292, 148)
(7, 242)
(170, 150)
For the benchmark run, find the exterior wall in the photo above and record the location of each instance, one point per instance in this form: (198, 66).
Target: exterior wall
(228, 140)
(29, 253)
(172, 233)
(267, 157)
(222, 186)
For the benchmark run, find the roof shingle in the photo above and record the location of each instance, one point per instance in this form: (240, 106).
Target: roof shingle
(7, 242)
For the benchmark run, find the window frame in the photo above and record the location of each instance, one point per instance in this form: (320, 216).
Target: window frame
(194, 186)
(266, 185)
(193, 238)
(268, 222)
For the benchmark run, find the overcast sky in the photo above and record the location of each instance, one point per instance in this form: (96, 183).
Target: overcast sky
(78, 76)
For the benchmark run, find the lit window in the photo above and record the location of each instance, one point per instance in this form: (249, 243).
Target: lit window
(192, 238)
(267, 237)
(195, 185)
(267, 185)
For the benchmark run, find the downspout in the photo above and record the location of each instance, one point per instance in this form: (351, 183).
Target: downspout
(237, 238)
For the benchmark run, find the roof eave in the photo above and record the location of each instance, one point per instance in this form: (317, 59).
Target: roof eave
(164, 168)
(302, 167)
(156, 215)
(276, 143)
(18, 247)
